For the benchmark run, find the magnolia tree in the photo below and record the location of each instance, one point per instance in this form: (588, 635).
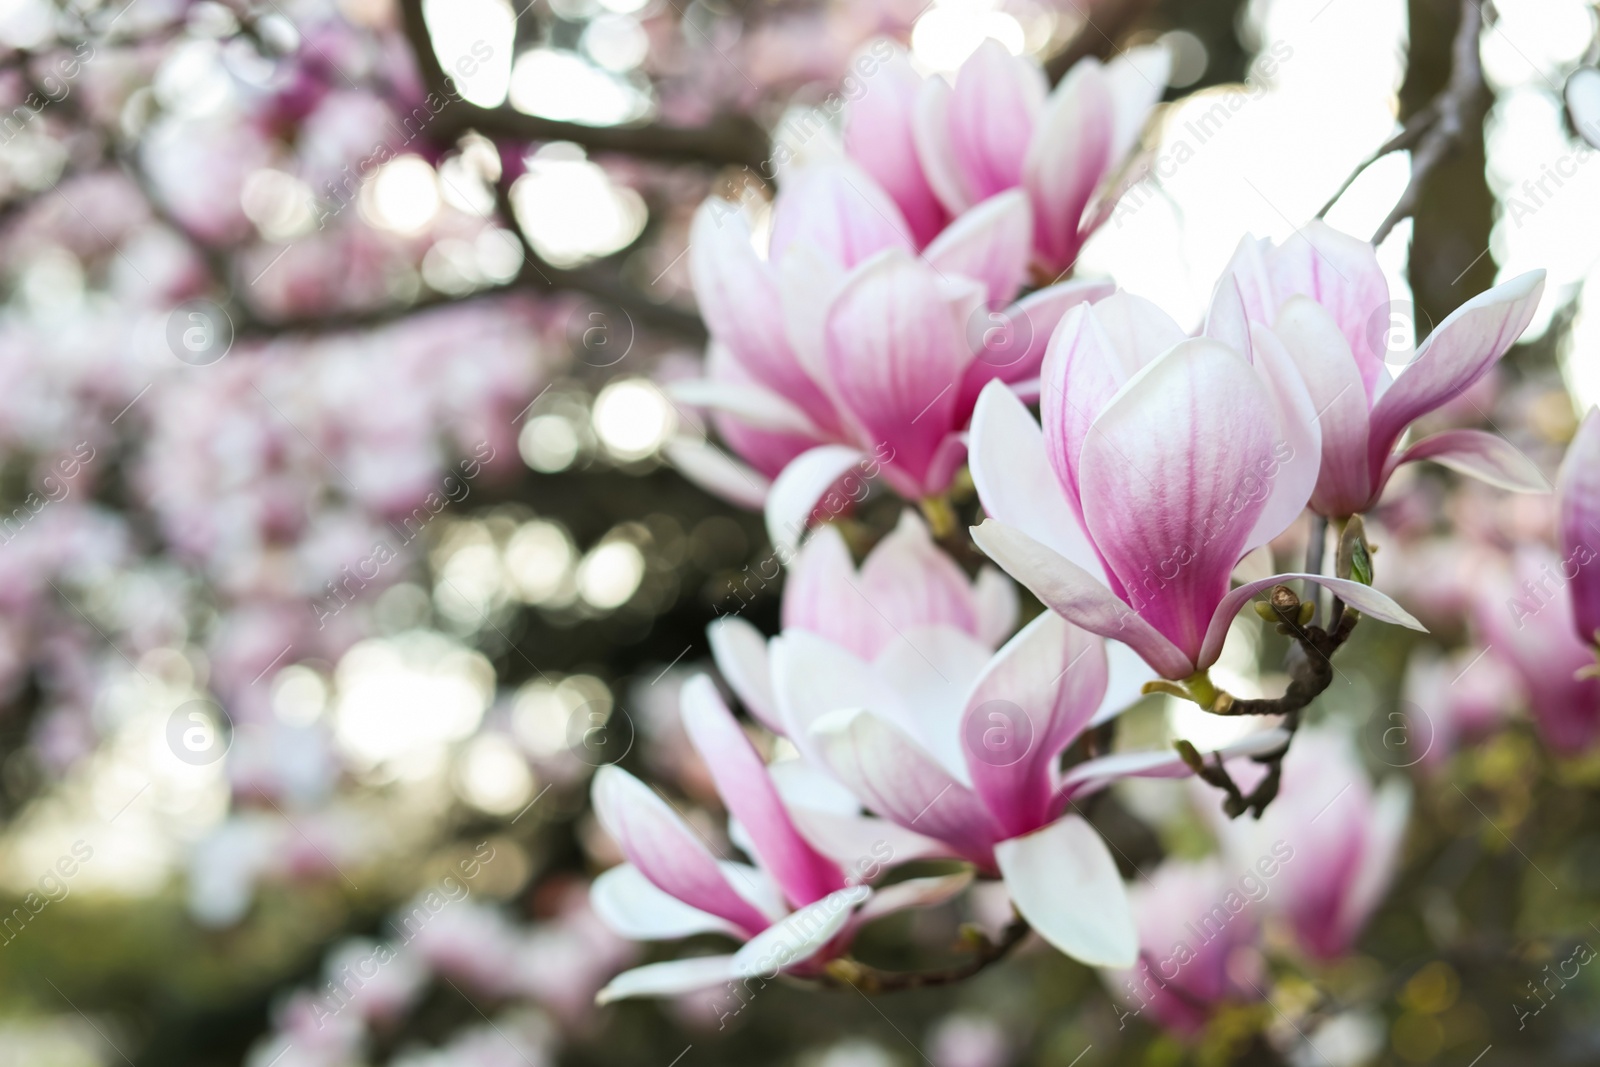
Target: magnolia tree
(514, 508)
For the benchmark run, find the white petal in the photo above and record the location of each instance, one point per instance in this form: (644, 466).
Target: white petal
(1014, 480)
(740, 653)
(716, 472)
(756, 405)
(1065, 883)
(668, 979)
(796, 492)
(800, 936)
(633, 907)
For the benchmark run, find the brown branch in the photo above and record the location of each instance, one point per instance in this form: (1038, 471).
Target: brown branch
(1436, 129)
(848, 972)
(731, 139)
(1098, 38)
(1309, 676)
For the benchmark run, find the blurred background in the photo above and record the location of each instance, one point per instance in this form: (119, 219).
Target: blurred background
(337, 546)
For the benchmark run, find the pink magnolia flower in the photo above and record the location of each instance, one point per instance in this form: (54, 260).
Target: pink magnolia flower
(1336, 837)
(939, 148)
(1163, 460)
(964, 750)
(904, 583)
(1578, 494)
(1198, 930)
(794, 908)
(844, 346)
(1527, 616)
(1324, 295)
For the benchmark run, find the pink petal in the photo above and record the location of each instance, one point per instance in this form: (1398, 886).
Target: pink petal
(1250, 273)
(1227, 318)
(1070, 153)
(908, 581)
(1463, 348)
(1363, 598)
(1528, 617)
(754, 405)
(1297, 448)
(1578, 495)
(739, 299)
(930, 130)
(1092, 355)
(1071, 592)
(1065, 883)
(1485, 456)
(830, 817)
(801, 494)
(991, 243)
(821, 580)
(895, 357)
(1036, 696)
(1010, 344)
(1340, 273)
(808, 279)
(878, 136)
(1171, 483)
(768, 450)
(658, 842)
(749, 795)
(632, 906)
(838, 209)
(814, 677)
(1015, 482)
(898, 779)
(992, 111)
(1322, 354)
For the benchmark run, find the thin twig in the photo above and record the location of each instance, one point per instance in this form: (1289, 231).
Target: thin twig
(868, 979)
(729, 139)
(1449, 123)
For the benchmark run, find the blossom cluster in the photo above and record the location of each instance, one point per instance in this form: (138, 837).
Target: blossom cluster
(901, 306)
